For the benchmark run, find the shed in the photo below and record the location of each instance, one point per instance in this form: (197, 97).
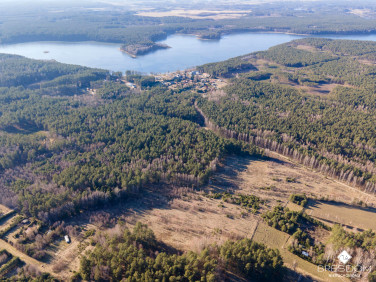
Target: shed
(67, 239)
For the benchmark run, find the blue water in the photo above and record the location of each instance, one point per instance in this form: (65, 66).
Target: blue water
(187, 51)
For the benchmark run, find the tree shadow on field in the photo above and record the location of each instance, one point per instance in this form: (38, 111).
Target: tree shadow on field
(346, 210)
(317, 203)
(225, 178)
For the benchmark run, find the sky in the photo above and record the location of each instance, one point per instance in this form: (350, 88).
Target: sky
(22, 4)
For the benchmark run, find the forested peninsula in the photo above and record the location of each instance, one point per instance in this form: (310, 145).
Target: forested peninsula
(140, 49)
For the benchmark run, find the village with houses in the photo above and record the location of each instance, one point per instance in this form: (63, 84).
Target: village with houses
(185, 80)
(177, 81)
(191, 79)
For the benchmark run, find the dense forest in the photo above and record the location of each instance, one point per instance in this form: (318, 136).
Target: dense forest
(74, 139)
(226, 68)
(137, 256)
(63, 151)
(332, 132)
(124, 25)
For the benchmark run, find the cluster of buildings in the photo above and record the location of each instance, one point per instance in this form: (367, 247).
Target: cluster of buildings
(180, 80)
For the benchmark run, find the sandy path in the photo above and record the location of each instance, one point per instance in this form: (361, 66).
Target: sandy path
(28, 260)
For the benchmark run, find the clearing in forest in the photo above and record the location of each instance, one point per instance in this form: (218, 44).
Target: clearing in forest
(350, 216)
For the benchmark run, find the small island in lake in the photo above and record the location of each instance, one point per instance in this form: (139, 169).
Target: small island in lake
(140, 49)
(209, 35)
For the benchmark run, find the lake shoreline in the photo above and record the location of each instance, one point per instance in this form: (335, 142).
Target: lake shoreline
(184, 51)
(324, 35)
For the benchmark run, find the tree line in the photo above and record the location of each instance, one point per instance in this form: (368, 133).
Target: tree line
(333, 134)
(137, 256)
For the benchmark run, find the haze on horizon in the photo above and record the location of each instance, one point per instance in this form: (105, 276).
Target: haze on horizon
(174, 2)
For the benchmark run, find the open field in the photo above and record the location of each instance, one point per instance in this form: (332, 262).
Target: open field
(294, 207)
(4, 209)
(198, 14)
(318, 89)
(353, 217)
(65, 258)
(280, 240)
(186, 219)
(364, 13)
(321, 90)
(270, 236)
(193, 221)
(268, 179)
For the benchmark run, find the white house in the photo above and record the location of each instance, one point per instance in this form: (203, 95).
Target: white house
(131, 85)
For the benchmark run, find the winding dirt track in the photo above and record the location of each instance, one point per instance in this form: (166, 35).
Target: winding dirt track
(25, 258)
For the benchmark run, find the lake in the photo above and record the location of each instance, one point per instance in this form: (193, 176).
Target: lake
(187, 51)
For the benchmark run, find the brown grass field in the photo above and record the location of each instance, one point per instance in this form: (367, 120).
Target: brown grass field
(352, 217)
(266, 178)
(270, 236)
(192, 221)
(186, 219)
(294, 207)
(4, 209)
(197, 14)
(321, 89)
